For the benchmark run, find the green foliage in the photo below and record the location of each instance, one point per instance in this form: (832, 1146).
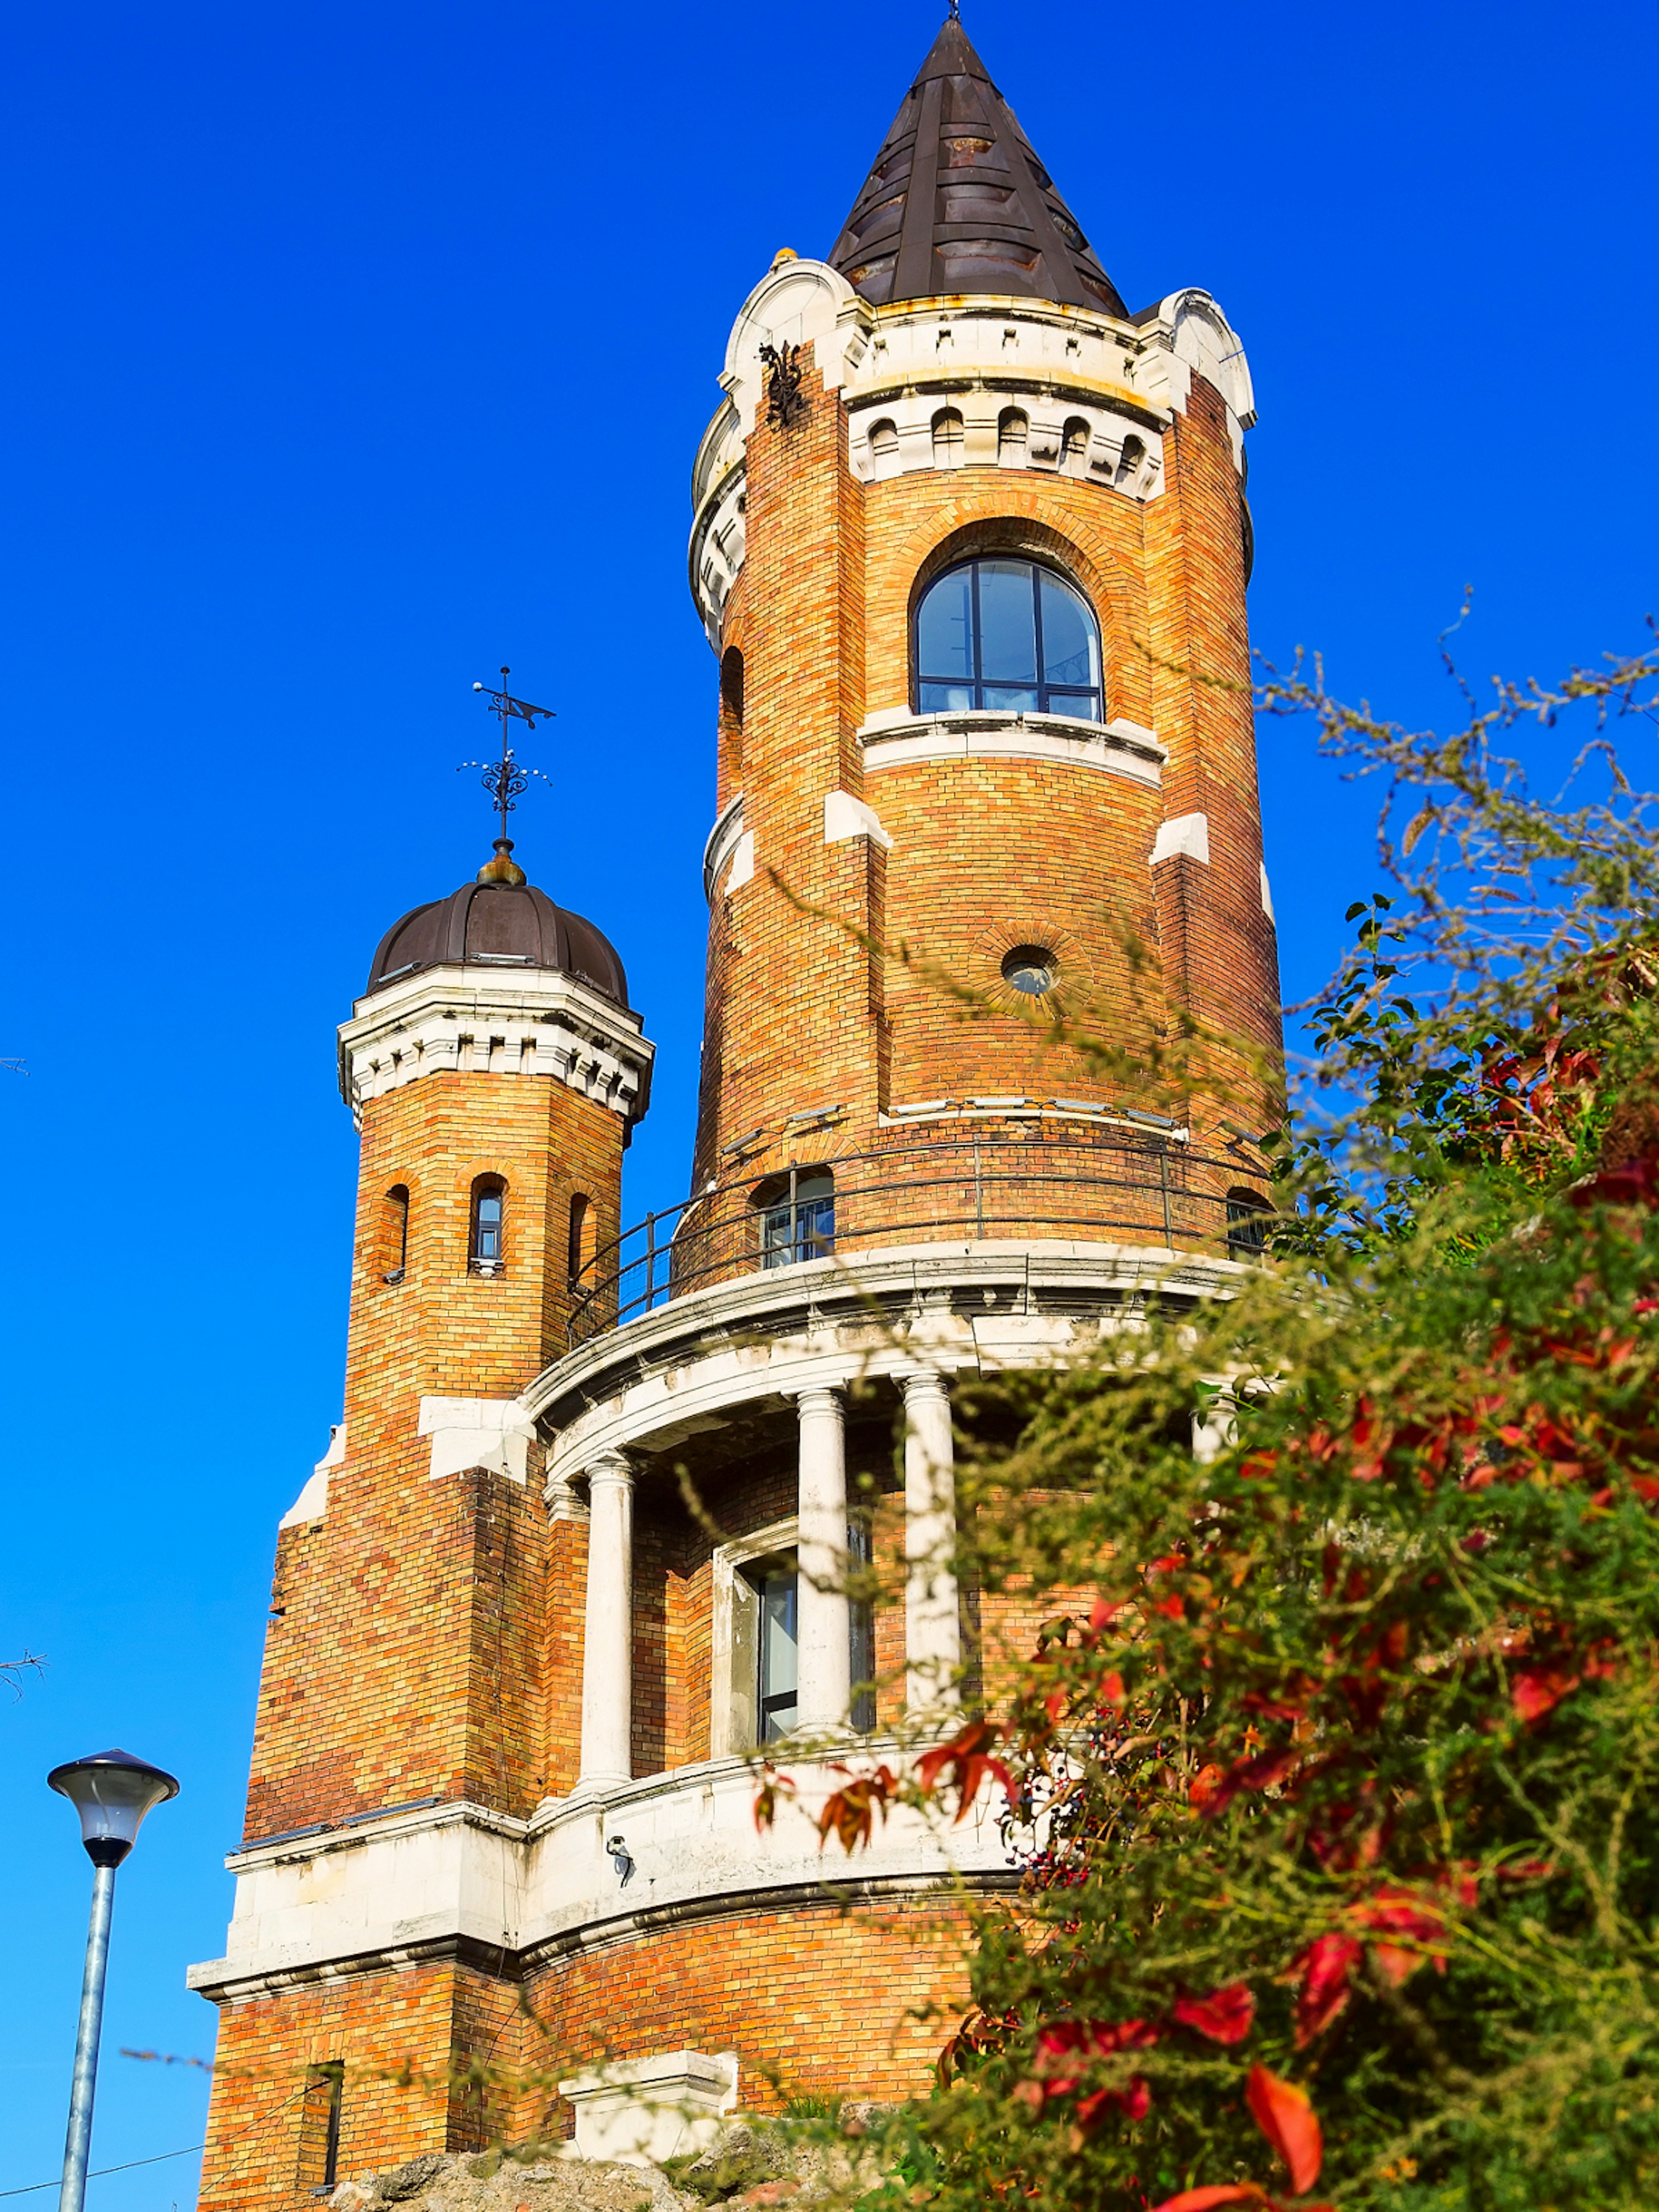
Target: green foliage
(1340, 1813)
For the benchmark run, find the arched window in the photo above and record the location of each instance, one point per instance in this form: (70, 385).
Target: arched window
(1129, 467)
(394, 1233)
(583, 1233)
(487, 1247)
(1010, 633)
(1074, 447)
(1247, 1224)
(798, 1216)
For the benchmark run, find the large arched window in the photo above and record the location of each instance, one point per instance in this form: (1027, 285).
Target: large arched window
(1011, 634)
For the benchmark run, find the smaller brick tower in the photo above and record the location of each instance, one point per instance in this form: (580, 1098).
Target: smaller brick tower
(495, 1072)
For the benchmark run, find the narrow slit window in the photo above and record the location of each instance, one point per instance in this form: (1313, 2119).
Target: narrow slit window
(394, 1234)
(320, 2127)
(579, 1264)
(487, 1252)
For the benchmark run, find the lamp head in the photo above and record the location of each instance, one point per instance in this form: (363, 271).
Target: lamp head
(112, 1791)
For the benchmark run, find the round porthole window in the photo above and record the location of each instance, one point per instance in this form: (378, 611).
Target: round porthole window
(1032, 968)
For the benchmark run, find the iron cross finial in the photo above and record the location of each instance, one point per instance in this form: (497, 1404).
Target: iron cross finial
(506, 778)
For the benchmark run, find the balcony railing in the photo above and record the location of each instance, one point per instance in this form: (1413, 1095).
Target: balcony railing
(1119, 1188)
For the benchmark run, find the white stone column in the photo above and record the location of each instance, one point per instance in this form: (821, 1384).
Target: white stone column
(932, 1629)
(821, 1616)
(608, 1635)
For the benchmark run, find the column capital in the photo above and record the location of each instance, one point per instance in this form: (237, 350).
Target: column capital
(820, 1398)
(924, 1382)
(609, 1466)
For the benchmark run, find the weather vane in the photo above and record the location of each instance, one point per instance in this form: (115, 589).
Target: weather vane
(506, 779)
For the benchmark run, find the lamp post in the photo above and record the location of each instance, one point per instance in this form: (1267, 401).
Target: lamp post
(112, 1791)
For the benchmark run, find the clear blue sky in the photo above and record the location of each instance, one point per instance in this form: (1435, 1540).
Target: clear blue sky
(355, 349)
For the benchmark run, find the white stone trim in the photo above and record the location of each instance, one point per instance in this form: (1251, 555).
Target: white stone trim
(459, 1870)
(1267, 897)
(640, 2111)
(466, 1019)
(893, 737)
(723, 840)
(1183, 833)
(646, 1386)
(1189, 332)
(312, 1502)
(492, 1433)
(743, 862)
(847, 816)
(798, 303)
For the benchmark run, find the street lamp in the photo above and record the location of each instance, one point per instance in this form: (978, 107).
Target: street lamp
(112, 1791)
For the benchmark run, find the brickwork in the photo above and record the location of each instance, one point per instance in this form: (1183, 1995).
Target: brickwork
(426, 2020)
(814, 1999)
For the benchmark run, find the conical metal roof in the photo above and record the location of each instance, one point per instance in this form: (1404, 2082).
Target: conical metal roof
(957, 201)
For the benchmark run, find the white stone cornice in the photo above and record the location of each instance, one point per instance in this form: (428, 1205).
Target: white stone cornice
(723, 840)
(311, 1906)
(472, 1019)
(893, 737)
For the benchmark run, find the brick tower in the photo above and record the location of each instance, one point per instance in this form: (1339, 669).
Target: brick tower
(971, 546)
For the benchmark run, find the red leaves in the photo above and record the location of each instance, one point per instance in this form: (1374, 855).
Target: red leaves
(1065, 2048)
(1286, 2116)
(1536, 1691)
(964, 1763)
(1226, 2015)
(849, 1815)
(1265, 1771)
(1325, 1967)
(1418, 1921)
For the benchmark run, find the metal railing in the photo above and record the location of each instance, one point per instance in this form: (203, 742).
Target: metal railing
(1118, 1187)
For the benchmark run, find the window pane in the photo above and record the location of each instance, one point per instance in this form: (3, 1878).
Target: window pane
(944, 698)
(778, 1676)
(1070, 651)
(1084, 705)
(1007, 622)
(944, 630)
(1006, 696)
(489, 1227)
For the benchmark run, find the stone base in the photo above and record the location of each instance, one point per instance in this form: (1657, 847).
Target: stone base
(640, 2111)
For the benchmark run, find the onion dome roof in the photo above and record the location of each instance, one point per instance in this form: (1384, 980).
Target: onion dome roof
(500, 921)
(958, 201)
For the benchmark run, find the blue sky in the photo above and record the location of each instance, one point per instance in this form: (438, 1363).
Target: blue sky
(355, 350)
